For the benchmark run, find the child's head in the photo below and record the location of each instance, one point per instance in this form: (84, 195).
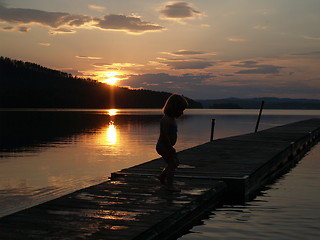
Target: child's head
(175, 105)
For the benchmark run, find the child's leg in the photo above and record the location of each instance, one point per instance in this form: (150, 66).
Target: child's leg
(170, 175)
(165, 154)
(170, 169)
(163, 176)
(167, 175)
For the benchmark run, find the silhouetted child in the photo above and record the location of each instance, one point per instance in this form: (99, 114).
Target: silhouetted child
(173, 109)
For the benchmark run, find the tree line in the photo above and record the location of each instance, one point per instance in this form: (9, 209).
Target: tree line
(29, 85)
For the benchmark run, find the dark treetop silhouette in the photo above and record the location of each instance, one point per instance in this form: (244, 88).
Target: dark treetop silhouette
(28, 85)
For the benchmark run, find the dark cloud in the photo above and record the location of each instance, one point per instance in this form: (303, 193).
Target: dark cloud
(163, 81)
(247, 64)
(179, 10)
(2, 3)
(189, 52)
(266, 69)
(187, 64)
(315, 53)
(23, 29)
(8, 28)
(255, 68)
(61, 30)
(20, 29)
(189, 85)
(101, 64)
(128, 23)
(64, 22)
(51, 19)
(227, 75)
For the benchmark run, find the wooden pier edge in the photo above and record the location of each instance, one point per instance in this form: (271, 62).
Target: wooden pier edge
(278, 166)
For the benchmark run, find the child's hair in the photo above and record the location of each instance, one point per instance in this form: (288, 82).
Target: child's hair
(174, 104)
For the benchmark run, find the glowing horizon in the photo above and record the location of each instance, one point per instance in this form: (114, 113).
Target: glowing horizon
(111, 78)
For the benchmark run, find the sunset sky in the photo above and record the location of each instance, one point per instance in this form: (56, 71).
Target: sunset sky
(204, 49)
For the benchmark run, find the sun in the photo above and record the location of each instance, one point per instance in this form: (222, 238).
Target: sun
(112, 78)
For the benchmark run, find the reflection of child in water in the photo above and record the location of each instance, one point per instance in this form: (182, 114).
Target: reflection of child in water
(173, 108)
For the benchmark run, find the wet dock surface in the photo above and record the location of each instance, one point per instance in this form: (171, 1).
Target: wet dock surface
(126, 208)
(134, 205)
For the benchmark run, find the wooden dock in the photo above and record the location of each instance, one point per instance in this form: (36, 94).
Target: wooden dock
(133, 205)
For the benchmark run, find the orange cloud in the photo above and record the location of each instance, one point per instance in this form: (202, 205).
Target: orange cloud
(88, 57)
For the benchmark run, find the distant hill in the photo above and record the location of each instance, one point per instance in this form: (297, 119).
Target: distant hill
(29, 85)
(254, 103)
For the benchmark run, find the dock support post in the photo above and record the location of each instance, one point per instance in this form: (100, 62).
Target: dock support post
(258, 121)
(213, 122)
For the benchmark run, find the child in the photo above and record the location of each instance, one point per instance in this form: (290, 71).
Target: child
(173, 108)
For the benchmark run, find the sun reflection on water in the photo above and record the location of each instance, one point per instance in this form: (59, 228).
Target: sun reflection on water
(111, 134)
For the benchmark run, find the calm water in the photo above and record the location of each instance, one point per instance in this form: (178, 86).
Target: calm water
(288, 209)
(46, 154)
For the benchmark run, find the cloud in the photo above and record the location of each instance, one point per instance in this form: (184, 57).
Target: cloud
(255, 68)
(88, 57)
(188, 64)
(165, 82)
(315, 53)
(179, 11)
(132, 24)
(51, 19)
(61, 31)
(44, 44)
(59, 22)
(234, 39)
(312, 38)
(204, 25)
(97, 8)
(116, 65)
(3, 3)
(261, 27)
(189, 52)
(7, 28)
(23, 29)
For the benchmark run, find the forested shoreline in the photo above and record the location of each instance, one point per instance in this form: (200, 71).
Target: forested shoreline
(29, 85)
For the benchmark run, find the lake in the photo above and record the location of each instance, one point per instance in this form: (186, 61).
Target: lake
(48, 153)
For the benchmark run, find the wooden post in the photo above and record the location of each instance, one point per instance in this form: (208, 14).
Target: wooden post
(213, 122)
(258, 121)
